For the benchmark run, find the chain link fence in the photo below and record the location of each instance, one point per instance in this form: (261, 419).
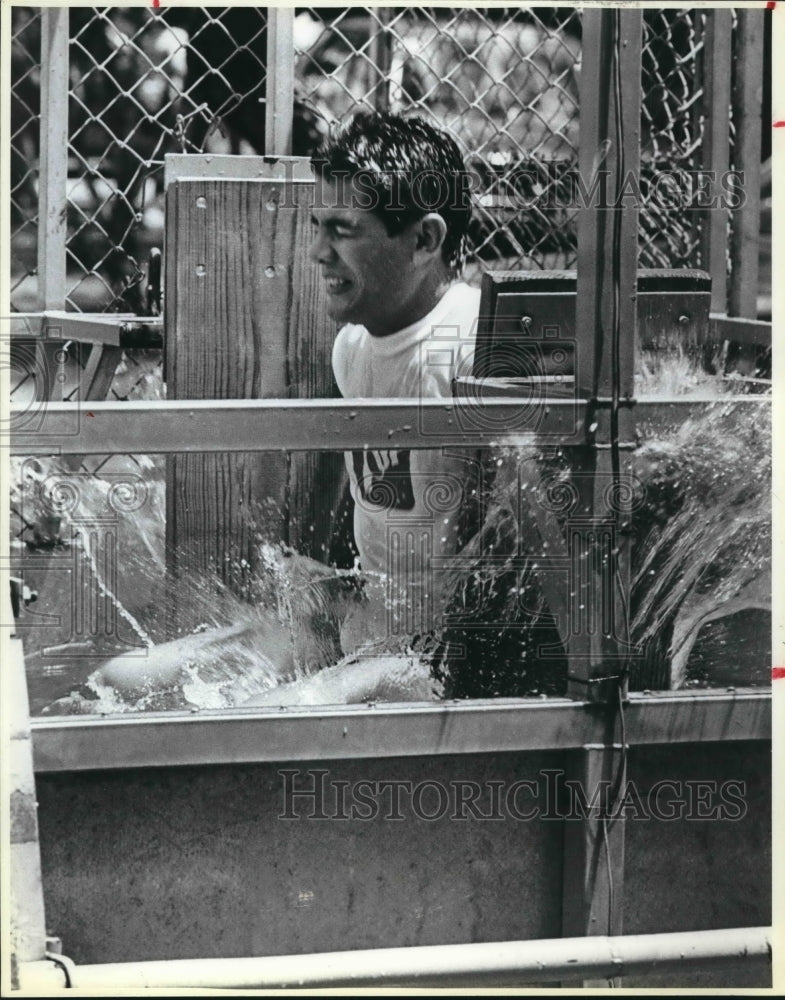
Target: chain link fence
(145, 82)
(25, 112)
(504, 81)
(672, 125)
(142, 83)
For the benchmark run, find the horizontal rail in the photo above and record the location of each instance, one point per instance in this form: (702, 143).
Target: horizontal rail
(245, 167)
(129, 330)
(498, 963)
(157, 427)
(253, 735)
(110, 329)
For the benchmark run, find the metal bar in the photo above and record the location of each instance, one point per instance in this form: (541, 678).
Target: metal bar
(110, 329)
(747, 93)
(283, 425)
(607, 237)
(119, 329)
(172, 426)
(591, 224)
(715, 147)
(508, 963)
(598, 158)
(222, 166)
(381, 59)
(340, 732)
(279, 106)
(99, 371)
(740, 330)
(593, 861)
(53, 164)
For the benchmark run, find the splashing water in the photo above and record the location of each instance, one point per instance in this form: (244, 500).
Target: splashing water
(704, 549)
(701, 553)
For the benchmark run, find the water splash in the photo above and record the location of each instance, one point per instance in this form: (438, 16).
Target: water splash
(701, 552)
(703, 548)
(83, 540)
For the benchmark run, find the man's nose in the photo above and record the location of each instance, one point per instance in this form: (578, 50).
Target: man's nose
(320, 251)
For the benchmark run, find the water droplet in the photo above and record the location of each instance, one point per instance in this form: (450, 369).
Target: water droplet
(201, 202)
(269, 272)
(201, 270)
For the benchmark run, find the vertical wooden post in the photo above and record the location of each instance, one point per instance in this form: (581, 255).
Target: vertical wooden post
(746, 99)
(716, 138)
(279, 106)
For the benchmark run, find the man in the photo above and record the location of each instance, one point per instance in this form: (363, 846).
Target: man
(391, 213)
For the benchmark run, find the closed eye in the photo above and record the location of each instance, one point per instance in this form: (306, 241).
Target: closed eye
(335, 228)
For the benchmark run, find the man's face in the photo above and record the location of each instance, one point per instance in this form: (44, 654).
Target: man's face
(371, 278)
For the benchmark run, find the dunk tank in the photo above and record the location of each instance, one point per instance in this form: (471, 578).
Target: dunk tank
(569, 784)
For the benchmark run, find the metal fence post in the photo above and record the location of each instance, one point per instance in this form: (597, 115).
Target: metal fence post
(597, 302)
(593, 879)
(52, 185)
(53, 172)
(279, 105)
(382, 58)
(746, 100)
(716, 139)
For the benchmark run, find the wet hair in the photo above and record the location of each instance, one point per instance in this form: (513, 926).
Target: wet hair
(403, 168)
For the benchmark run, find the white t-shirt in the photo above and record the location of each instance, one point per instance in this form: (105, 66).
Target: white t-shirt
(408, 503)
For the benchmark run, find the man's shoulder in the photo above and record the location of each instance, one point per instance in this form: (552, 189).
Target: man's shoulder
(349, 339)
(462, 307)
(457, 315)
(464, 297)
(351, 334)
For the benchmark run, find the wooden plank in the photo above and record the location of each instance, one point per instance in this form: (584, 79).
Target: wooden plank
(245, 319)
(53, 163)
(715, 148)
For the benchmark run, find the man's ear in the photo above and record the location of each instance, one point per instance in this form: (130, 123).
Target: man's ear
(431, 230)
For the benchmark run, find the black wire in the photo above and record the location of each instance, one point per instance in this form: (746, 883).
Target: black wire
(616, 249)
